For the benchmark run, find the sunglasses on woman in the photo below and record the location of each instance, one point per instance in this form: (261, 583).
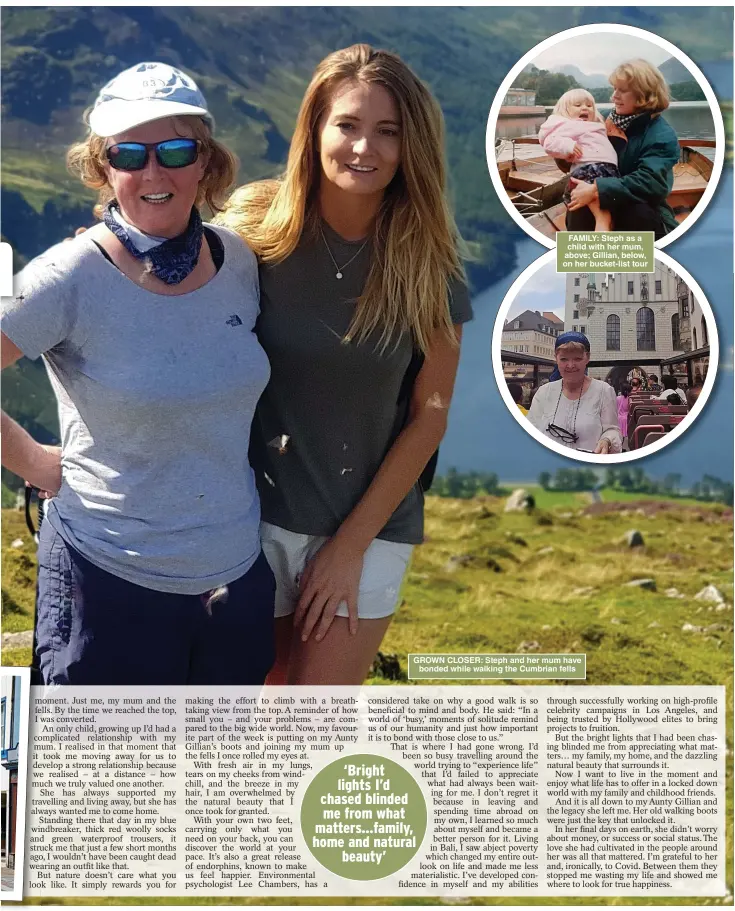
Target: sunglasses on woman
(561, 433)
(171, 153)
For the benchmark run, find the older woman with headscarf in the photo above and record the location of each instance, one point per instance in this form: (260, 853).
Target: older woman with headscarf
(577, 410)
(647, 149)
(150, 564)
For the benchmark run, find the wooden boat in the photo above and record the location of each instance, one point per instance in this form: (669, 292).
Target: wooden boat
(535, 185)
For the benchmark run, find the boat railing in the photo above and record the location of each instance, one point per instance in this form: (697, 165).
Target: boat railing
(533, 140)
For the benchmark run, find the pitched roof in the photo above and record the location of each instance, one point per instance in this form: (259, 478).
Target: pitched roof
(531, 319)
(553, 318)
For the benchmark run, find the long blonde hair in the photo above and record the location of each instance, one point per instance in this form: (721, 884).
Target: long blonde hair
(415, 243)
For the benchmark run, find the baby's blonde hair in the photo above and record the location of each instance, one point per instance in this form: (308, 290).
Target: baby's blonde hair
(649, 85)
(563, 106)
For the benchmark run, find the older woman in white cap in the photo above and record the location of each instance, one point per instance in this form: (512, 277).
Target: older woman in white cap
(150, 566)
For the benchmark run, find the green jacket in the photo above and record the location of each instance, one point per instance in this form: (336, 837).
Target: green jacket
(647, 154)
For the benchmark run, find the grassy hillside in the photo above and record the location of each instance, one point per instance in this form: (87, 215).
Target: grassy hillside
(254, 63)
(488, 581)
(553, 580)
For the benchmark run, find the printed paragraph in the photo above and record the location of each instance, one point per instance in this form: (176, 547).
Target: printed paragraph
(380, 791)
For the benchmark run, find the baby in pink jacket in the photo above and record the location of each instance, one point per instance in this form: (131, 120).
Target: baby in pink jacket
(576, 132)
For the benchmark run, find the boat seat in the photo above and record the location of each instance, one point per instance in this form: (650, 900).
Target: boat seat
(643, 430)
(652, 437)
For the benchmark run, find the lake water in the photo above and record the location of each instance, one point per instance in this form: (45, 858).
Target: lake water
(688, 119)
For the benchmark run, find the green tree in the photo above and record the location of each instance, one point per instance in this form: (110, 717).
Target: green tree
(625, 479)
(544, 479)
(686, 91)
(453, 483)
(671, 483)
(602, 95)
(551, 86)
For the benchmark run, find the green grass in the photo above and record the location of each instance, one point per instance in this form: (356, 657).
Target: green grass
(570, 599)
(549, 499)
(43, 178)
(558, 598)
(726, 108)
(18, 581)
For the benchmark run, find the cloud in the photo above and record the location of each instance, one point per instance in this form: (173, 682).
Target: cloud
(600, 53)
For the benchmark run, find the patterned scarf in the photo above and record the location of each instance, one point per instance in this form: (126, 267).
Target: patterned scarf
(170, 259)
(623, 121)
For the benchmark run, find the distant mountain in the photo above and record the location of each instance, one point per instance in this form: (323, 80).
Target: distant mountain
(673, 70)
(253, 64)
(587, 80)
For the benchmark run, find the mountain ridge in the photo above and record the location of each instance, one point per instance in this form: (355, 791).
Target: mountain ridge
(253, 64)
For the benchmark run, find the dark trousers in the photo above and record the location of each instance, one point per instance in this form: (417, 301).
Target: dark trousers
(95, 628)
(640, 216)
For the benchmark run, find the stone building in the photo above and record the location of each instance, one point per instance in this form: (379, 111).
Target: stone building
(517, 97)
(692, 324)
(531, 333)
(627, 315)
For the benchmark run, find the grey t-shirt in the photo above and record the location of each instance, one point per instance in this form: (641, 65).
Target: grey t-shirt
(340, 406)
(156, 394)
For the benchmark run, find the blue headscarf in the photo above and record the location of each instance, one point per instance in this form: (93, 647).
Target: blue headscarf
(564, 339)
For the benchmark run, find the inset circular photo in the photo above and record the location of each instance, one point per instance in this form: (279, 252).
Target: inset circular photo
(605, 128)
(605, 367)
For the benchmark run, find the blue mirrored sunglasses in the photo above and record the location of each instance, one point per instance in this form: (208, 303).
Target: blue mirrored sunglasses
(171, 153)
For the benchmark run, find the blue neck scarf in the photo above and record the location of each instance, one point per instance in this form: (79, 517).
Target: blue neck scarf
(173, 259)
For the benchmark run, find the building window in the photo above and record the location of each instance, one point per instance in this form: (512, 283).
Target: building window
(613, 332)
(576, 298)
(705, 337)
(658, 287)
(694, 331)
(575, 315)
(684, 307)
(630, 287)
(576, 283)
(645, 329)
(574, 328)
(675, 333)
(582, 330)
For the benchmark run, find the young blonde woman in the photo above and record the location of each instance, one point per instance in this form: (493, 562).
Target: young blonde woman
(361, 284)
(647, 149)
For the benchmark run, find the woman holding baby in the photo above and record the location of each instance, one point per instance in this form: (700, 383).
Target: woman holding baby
(646, 148)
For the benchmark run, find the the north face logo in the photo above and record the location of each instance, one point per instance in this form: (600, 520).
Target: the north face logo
(234, 320)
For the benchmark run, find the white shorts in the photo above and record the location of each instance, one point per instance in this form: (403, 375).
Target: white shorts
(384, 567)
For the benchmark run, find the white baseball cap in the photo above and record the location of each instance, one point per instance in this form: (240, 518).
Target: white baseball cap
(146, 92)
